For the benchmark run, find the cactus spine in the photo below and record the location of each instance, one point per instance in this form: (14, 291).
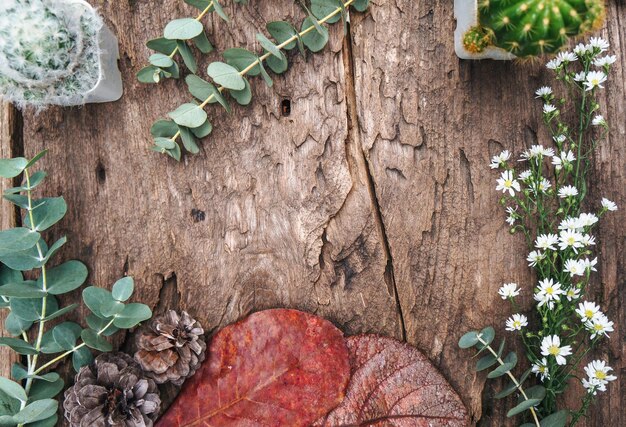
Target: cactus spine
(532, 27)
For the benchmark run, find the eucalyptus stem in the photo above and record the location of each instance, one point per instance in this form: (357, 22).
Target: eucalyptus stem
(518, 386)
(266, 55)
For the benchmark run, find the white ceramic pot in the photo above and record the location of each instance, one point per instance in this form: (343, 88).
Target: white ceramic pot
(109, 85)
(466, 14)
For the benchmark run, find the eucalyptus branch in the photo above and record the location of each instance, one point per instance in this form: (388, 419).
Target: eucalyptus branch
(189, 122)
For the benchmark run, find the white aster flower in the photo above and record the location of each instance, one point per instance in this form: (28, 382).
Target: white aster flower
(608, 205)
(551, 346)
(599, 43)
(570, 223)
(508, 290)
(587, 310)
(553, 64)
(605, 61)
(563, 159)
(534, 257)
(587, 219)
(546, 241)
(594, 79)
(580, 77)
(590, 265)
(559, 138)
(524, 175)
(582, 49)
(599, 325)
(588, 240)
(568, 191)
(498, 160)
(543, 91)
(548, 293)
(574, 267)
(566, 57)
(542, 186)
(516, 322)
(541, 369)
(598, 375)
(512, 215)
(549, 108)
(598, 120)
(572, 294)
(570, 239)
(506, 182)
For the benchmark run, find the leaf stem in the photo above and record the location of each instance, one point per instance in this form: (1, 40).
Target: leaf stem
(511, 376)
(281, 46)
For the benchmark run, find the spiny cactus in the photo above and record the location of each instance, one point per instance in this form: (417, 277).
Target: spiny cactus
(532, 27)
(48, 51)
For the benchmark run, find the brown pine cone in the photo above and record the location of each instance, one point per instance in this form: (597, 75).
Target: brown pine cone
(171, 347)
(112, 392)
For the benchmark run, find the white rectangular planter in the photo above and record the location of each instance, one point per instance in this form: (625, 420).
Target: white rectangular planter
(466, 14)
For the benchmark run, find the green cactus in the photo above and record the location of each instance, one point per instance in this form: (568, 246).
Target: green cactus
(532, 27)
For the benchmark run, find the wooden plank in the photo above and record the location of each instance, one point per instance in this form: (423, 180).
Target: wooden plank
(10, 140)
(274, 211)
(429, 123)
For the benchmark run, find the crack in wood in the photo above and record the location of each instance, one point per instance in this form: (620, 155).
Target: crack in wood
(362, 163)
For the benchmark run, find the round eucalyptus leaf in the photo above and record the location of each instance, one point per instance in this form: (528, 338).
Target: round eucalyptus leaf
(189, 115)
(242, 59)
(244, 96)
(43, 389)
(37, 411)
(65, 334)
(123, 289)
(225, 75)
(160, 60)
(164, 128)
(81, 357)
(66, 277)
(94, 297)
(12, 389)
(132, 315)
(18, 345)
(10, 168)
(162, 45)
(95, 341)
(17, 239)
(315, 39)
(49, 212)
(283, 31)
(182, 29)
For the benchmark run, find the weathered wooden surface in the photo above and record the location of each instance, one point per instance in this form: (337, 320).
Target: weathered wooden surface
(371, 204)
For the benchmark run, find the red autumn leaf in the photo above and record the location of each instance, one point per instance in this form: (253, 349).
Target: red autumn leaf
(393, 384)
(274, 368)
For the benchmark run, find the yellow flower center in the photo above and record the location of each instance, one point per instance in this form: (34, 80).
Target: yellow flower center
(508, 183)
(517, 324)
(598, 327)
(588, 314)
(554, 350)
(549, 290)
(600, 375)
(571, 241)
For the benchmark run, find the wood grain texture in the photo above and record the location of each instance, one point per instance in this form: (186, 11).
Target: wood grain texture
(371, 204)
(429, 124)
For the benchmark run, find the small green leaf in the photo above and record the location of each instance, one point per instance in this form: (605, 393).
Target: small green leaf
(199, 88)
(81, 357)
(189, 140)
(36, 411)
(123, 288)
(183, 29)
(36, 158)
(162, 45)
(31, 308)
(199, 4)
(15, 326)
(535, 392)
(61, 312)
(266, 77)
(13, 389)
(509, 363)
(512, 387)
(323, 8)
(361, 5)
(18, 200)
(48, 422)
(283, 31)
(10, 168)
(189, 115)
(55, 247)
(525, 405)
(242, 59)
(558, 419)
(132, 315)
(48, 344)
(278, 66)
(164, 128)
(269, 45)
(17, 239)
(65, 334)
(166, 143)
(95, 341)
(486, 362)
(202, 43)
(314, 40)
(49, 211)
(225, 75)
(27, 259)
(160, 60)
(468, 340)
(187, 55)
(18, 345)
(146, 74)
(111, 308)
(244, 96)
(100, 325)
(486, 335)
(8, 275)
(220, 11)
(66, 277)
(94, 297)
(203, 131)
(217, 96)
(26, 289)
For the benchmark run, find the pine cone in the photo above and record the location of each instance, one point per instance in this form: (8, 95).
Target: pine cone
(112, 392)
(171, 347)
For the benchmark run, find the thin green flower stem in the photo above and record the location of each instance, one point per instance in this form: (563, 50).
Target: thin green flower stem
(197, 18)
(67, 353)
(511, 376)
(581, 126)
(32, 365)
(267, 54)
(583, 409)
